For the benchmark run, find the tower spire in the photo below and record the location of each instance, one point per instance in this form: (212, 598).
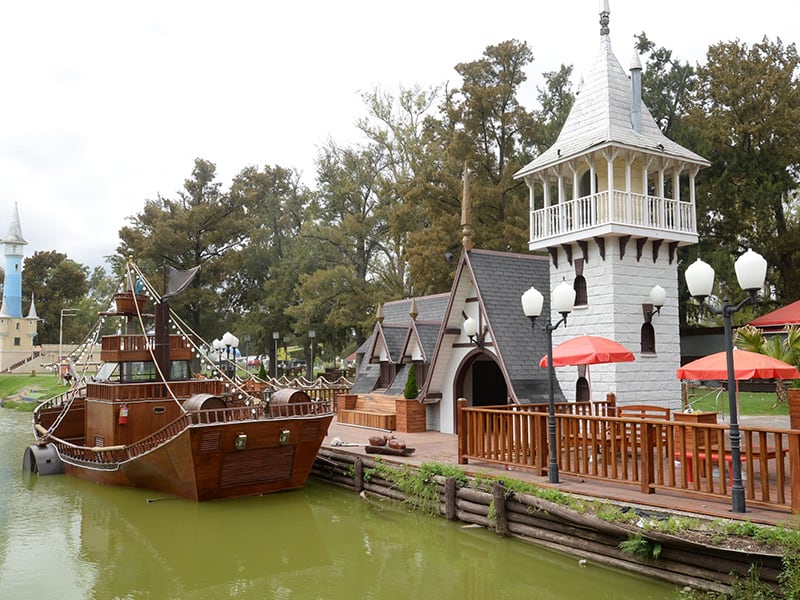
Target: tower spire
(466, 213)
(605, 13)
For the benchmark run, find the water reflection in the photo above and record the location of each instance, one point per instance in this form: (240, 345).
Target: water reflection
(70, 539)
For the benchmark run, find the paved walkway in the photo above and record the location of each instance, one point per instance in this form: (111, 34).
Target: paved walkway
(433, 446)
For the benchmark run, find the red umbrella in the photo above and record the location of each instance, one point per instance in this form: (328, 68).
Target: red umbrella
(746, 365)
(588, 350)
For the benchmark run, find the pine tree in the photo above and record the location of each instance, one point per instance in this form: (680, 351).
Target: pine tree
(410, 392)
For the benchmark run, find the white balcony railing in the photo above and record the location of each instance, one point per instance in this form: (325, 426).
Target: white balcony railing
(618, 208)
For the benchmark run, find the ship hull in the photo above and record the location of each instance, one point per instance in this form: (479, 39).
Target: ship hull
(218, 460)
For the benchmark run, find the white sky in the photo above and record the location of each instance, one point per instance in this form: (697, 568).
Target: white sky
(106, 103)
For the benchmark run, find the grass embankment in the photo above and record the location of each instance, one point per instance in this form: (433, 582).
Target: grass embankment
(38, 387)
(750, 403)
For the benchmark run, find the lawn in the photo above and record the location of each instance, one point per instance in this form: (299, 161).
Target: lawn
(40, 387)
(750, 403)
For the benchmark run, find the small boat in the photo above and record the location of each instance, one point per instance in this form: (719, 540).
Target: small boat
(144, 420)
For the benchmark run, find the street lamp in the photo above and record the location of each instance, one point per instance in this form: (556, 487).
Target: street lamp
(311, 335)
(751, 270)
(563, 301)
(276, 335)
(658, 295)
(69, 312)
(230, 341)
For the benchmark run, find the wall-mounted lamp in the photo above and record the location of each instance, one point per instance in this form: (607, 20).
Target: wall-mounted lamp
(471, 331)
(657, 298)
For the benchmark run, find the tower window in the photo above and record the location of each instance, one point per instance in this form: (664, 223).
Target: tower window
(648, 338)
(579, 285)
(17, 341)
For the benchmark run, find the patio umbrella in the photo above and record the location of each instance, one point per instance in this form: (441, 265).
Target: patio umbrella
(588, 350)
(746, 365)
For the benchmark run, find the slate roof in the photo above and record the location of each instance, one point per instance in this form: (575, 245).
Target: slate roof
(15, 229)
(601, 116)
(501, 278)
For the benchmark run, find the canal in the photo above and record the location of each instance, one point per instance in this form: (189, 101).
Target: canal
(67, 539)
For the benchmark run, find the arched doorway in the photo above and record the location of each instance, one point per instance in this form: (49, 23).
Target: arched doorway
(481, 381)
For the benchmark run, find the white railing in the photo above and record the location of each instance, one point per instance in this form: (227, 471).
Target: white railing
(620, 208)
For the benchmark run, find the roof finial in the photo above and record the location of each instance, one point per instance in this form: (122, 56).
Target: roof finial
(379, 315)
(413, 312)
(466, 213)
(604, 17)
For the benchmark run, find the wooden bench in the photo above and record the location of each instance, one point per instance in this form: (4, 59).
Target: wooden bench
(368, 410)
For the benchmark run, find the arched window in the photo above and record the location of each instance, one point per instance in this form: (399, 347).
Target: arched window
(579, 285)
(648, 338)
(582, 392)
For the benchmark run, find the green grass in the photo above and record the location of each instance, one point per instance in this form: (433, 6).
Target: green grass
(750, 403)
(44, 387)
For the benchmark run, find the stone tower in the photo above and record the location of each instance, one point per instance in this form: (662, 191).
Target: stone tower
(16, 332)
(611, 201)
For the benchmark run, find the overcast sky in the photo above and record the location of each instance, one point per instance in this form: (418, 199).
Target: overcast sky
(106, 104)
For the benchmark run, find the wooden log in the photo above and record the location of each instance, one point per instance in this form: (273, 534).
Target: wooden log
(358, 478)
(472, 507)
(499, 498)
(450, 498)
(473, 519)
(476, 496)
(598, 556)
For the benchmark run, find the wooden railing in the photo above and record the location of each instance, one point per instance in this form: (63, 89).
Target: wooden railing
(618, 207)
(649, 453)
(112, 455)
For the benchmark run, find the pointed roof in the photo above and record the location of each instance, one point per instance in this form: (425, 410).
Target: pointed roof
(14, 229)
(499, 280)
(32, 312)
(601, 116)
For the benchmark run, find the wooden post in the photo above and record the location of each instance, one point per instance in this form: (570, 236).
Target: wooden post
(450, 498)
(358, 477)
(794, 470)
(501, 517)
(646, 451)
(461, 423)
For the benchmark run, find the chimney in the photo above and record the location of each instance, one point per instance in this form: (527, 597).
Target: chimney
(636, 93)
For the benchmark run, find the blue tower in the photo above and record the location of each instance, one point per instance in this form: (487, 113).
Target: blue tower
(12, 287)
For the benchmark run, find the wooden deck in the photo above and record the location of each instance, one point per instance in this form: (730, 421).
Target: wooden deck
(443, 448)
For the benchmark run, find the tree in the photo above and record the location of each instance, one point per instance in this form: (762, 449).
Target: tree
(410, 391)
(783, 347)
(57, 282)
(494, 125)
(746, 117)
(202, 226)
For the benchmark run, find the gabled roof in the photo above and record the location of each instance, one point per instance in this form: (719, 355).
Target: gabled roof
(499, 279)
(601, 116)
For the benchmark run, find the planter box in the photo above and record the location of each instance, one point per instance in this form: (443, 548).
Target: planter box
(410, 416)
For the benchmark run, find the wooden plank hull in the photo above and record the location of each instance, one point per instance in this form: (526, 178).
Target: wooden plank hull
(220, 460)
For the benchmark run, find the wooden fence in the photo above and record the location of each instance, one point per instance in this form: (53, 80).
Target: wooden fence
(652, 454)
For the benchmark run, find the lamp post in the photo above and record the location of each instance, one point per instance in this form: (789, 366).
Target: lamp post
(563, 301)
(276, 335)
(311, 336)
(230, 341)
(751, 270)
(69, 312)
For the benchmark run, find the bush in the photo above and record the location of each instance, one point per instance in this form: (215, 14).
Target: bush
(410, 392)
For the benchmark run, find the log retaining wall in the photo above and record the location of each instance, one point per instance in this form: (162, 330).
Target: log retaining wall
(681, 561)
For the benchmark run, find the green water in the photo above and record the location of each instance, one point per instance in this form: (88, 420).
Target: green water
(66, 539)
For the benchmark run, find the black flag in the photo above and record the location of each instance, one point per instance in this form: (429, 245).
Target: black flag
(177, 281)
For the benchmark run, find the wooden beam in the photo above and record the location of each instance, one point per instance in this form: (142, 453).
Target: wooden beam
(656, 246)
(640, 248)
(584, 246)
(601, 246)
(623, 241)
(553, 255)
(568, 250)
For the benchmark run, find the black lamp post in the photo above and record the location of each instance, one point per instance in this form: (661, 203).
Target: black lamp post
(230, 341)
(563, 301)
(311, 339)
(276, 335)
(751, 270)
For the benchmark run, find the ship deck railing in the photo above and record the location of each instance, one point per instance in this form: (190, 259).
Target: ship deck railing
(112, 455)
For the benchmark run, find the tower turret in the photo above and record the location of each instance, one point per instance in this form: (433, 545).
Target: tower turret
(13, 249)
